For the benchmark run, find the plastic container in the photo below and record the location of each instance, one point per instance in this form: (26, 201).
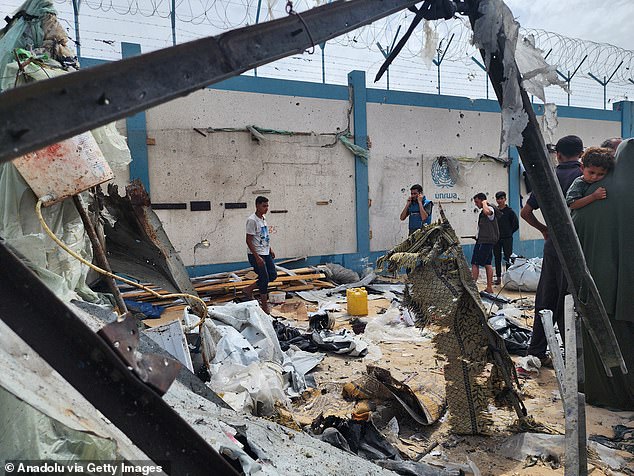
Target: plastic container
(357, 301)
(277, 297)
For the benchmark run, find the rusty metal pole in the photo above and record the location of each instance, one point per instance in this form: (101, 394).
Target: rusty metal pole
(100, 255)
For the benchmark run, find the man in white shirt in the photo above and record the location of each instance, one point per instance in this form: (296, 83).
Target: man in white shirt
(259, 252)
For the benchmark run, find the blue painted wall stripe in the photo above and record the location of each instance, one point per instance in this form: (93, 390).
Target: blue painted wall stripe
(137, 133)
(90, 62)
(283, 87)
(527, 248)
(624, 108)
(356, 80)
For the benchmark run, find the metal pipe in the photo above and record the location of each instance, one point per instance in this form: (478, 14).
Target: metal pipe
(100, 255)
(76, 6)
(173, 18)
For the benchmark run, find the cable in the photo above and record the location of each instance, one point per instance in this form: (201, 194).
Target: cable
(61, 244)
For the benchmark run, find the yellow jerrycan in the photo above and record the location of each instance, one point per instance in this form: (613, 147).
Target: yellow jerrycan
(357, 301)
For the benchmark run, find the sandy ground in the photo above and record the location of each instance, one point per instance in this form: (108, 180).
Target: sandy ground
(415, 360)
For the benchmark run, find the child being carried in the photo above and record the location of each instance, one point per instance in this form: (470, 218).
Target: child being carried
(596, 162)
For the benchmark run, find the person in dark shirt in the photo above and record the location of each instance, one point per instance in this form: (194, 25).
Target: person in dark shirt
(552, 286)
(508, 224)
(488, 236)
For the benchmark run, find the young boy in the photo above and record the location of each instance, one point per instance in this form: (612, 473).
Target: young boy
(596, 162)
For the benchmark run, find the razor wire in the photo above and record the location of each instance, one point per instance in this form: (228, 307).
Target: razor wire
(568, 54)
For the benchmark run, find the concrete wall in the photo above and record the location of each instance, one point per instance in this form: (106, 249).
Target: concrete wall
(406, 141)
(308, 178)
(311, 182)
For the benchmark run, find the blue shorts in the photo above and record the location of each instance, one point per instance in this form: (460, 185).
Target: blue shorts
(482, 254)
(266, 274)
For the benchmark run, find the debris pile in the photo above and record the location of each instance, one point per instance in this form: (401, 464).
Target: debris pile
(443, 292)
(224, 287)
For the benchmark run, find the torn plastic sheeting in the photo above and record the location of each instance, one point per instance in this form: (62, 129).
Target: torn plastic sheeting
(497, 22)
(297, 364)
(430, 45)
(551, 122)
(523, 275)
(255, 388)
(393, 327)
(151, 311)
(172, 339)
(230, 346)
(536, 73)
(302, 361)
(242, 345)
(550, 448)
(363, 154)
(28, 434)
(361, 437)
(516, 337)
(19, 226)
(342, 342)
(22, 31)
(22, 231)
(253, 324)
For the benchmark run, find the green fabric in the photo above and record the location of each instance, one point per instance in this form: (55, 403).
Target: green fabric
(13, 35)
(363, 154)
(606, 231)
(578, 189)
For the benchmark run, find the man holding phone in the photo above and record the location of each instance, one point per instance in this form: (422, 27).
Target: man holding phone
(417, 208)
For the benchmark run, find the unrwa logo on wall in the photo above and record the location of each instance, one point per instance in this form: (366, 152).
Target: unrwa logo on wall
(442, 174)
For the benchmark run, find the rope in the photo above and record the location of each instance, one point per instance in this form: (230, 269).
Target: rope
(61, 244)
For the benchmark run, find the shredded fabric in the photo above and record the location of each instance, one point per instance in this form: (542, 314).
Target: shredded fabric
(443, 292)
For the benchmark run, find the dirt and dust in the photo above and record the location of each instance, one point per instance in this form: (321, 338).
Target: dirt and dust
(410, 361)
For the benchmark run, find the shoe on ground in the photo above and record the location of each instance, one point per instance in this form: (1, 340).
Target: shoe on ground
(497, 281)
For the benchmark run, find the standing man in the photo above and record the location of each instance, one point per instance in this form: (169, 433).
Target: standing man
(488, 235)
(552, 286)
(260, 253)
(507, 224)
(417, 208)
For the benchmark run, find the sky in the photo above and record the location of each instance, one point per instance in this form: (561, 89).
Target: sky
(603, 21)
(104, 24)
